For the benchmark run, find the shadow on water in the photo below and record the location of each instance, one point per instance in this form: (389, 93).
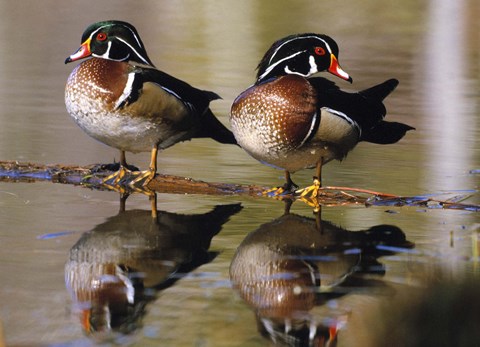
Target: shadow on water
(287, 267)
(118, 267)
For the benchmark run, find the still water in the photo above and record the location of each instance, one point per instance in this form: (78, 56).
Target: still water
(214, 270)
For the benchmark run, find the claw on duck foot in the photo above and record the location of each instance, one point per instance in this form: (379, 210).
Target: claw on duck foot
(312, 191)
(312, 202)
(117, 177)
(142, 178)
(280, 191)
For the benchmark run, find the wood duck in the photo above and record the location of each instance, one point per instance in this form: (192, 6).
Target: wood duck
(119, 98)
(292, 121)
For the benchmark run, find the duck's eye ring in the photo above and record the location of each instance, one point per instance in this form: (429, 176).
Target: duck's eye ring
(319, 51)
(101, 36)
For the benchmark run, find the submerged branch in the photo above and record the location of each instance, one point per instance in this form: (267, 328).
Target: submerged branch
(92, 176)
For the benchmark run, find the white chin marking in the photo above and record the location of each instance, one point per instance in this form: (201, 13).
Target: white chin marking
(313, 66)
(290, 72)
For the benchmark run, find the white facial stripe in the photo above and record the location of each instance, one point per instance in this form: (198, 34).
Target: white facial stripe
(94, 32)
(300, 38)
(127, 90)
(327, 45)
(106, 55)
(271, 67)
(112, 24)
(134, 35)
(138, 54)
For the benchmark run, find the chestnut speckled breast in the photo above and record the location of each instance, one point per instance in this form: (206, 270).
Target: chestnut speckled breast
(279, 123)
(94, 93)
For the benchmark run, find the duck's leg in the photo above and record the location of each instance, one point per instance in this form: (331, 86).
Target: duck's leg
(123, 159)
(152, 196)
(312, 191)
(120, 174)
(290, 184)
(310, 194)
(317, 180)
(288, 187)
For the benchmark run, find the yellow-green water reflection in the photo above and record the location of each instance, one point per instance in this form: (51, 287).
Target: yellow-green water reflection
(432, 47)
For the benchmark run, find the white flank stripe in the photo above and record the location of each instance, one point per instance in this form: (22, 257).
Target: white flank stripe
(170, 91)
(94, 32)
(188, 104)
(345, 117)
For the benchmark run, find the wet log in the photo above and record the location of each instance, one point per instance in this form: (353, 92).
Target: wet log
(92, 176)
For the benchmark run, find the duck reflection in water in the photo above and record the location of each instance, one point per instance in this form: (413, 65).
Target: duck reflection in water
(117, 268)
(291, 265)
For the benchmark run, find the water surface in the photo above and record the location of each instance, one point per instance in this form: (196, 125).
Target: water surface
(184, 294)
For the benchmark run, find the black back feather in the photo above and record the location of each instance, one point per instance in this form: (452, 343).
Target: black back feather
(196, 100)
(366, 108)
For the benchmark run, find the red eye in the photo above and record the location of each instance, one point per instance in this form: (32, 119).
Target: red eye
(319, 51)
(101, 36)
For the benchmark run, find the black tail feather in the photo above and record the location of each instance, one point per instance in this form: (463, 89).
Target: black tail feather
(211, 95)
(211, 127)
(385, 133)
(380, 91)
